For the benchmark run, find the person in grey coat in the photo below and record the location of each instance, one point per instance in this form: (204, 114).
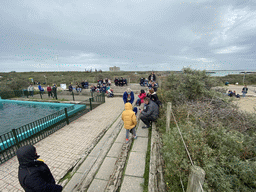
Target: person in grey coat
(149, 113)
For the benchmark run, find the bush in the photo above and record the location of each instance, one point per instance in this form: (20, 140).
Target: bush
(220, 138)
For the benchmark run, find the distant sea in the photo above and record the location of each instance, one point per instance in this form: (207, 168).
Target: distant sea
(228, 72)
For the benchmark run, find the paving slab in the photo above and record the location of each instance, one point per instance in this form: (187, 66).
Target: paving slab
(140, 145)
(97, 149)
(136, 164)
(89, 161)
(97, 185)
(132, 184)
(121, 137)
(142, 132)
(73, 182)
(115, 150)
(106, 168)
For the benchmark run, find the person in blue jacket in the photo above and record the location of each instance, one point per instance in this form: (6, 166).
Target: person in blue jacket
(128, 96)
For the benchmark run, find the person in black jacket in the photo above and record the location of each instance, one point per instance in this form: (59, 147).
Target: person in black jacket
(34, 175)
(152, 77)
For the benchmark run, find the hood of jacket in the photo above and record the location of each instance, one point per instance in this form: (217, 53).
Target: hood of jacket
(27, 155)
(128, 106)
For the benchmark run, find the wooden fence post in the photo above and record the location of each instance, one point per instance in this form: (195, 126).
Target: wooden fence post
(168, 117)
(196, 175)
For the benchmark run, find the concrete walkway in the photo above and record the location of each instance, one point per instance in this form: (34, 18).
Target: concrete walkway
(63, 149)
(96, 171)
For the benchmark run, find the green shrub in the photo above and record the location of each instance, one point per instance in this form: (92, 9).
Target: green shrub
(220, 138)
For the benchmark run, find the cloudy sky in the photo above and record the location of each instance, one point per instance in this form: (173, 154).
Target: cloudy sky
(135, 35)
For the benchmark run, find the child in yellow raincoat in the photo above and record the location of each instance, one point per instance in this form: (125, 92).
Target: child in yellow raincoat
(130, 121)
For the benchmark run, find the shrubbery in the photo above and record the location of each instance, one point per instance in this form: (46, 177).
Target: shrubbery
(220, 138)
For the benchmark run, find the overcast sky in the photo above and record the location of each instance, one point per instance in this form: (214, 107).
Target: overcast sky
(135, 35)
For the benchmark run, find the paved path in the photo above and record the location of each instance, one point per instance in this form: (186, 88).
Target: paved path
(64, 148)
(98, 170)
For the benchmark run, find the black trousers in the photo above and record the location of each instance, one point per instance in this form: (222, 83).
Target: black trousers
(147, 120)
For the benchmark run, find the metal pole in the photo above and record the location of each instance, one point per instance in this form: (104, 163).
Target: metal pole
(73, 95)
(66, 113)
(15, 136)
(90, 99)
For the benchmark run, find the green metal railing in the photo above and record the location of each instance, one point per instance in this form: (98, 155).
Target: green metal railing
(34, 132)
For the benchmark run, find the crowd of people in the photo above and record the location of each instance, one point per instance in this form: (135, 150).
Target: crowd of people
(147, 115)
(120, 81)
(234, 94)
(150, 82)
(79, 86)
(103, 86)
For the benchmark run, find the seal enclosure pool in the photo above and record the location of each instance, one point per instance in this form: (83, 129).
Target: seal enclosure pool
(38, 120)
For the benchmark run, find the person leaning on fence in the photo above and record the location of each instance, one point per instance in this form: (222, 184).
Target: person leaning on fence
(34, 175)
(150, 112)
(130, 121)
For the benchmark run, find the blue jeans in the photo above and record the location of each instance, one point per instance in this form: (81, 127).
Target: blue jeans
(133, 132)
(244, 94)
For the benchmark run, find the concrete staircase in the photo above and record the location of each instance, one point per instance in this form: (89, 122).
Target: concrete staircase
(112, 164)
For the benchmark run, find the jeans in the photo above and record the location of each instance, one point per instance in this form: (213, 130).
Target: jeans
(147, 120)
(138, 101)
(244, 94)
(133, 132)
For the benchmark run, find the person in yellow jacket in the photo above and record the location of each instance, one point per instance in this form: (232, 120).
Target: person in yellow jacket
(130, 121)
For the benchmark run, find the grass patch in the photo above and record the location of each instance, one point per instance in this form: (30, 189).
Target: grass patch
(147, 163)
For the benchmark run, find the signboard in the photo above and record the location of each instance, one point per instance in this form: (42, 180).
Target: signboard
(63, 86)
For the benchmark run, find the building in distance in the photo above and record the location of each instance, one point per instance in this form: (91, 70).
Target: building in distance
(114, 68)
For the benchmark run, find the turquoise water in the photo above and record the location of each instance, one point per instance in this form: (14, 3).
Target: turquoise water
(15, 115)
(227, 72)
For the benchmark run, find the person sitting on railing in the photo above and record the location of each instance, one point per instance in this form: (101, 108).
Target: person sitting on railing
(33, 173)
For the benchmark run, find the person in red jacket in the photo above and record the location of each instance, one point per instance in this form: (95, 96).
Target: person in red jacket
(49, 90)
(141, 96)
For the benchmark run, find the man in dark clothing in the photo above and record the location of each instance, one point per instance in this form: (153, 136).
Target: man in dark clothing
(152, 77)
(34, 175)
(149, 113)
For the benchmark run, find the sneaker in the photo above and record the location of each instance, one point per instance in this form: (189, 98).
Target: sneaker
(145, 127)
(135, 137)
(127, 140)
